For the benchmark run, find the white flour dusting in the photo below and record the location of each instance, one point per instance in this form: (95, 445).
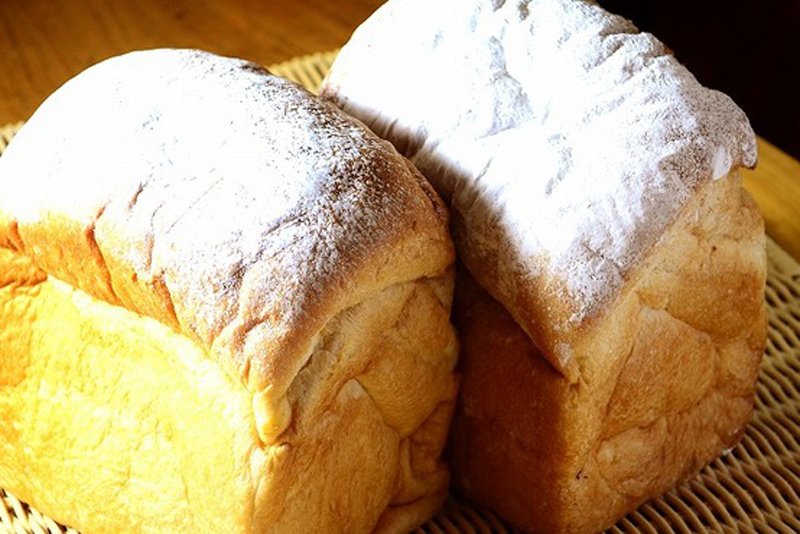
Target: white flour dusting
(239, 192)
(563, 137)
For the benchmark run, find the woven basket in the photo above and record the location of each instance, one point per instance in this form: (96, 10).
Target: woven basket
(754, 487)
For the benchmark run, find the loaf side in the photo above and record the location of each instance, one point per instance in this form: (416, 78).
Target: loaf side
(669, 382)
(114, 422)
(111, 422)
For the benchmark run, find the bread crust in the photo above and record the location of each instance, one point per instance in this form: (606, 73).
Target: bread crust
(114, 422)
(668, 383)
(565, 141)
(249, 258)
(611, 300)
(253, 339)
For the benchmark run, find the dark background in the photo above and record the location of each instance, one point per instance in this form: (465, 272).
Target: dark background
(748, 49)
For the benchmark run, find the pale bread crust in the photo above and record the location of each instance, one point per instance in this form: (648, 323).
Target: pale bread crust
(668, 381)
(113, 422)
(119, 409)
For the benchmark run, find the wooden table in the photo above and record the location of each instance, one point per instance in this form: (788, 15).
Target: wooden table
(45, 42)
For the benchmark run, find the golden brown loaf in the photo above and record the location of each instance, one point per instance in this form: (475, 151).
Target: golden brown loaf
(224, 308)
(611, 303)
(667, 384)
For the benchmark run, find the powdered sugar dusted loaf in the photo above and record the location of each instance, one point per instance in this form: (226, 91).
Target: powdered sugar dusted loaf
(566, 141)
(215, 197)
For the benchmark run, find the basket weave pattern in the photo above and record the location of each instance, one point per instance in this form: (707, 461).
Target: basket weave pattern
(754, 487)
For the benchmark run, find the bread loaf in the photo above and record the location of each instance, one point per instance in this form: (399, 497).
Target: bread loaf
(224, 308)
(611, 303)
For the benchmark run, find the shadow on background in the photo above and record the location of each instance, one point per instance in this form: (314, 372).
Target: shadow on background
(748, 49)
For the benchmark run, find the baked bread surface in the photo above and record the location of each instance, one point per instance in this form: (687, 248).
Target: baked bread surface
(225, 307)
(611, 301)
(565, 141)
(669, 384)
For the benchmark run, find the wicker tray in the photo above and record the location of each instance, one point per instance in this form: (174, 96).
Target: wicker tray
(752, 488)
